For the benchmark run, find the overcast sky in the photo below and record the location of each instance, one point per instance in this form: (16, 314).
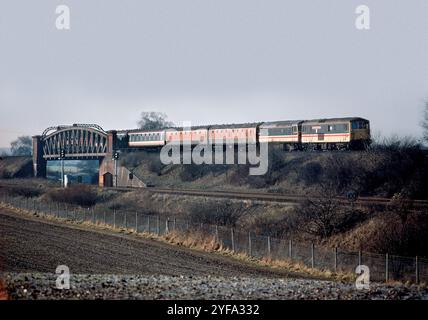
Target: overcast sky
(211, 61)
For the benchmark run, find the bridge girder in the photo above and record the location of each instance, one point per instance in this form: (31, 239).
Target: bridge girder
(78, 142)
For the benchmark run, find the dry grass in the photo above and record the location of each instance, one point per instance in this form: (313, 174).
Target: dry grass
(3, 291)
(198, 241)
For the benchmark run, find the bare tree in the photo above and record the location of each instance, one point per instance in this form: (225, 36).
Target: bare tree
(323, 214)
(402, 206)
(154, 121)
(425, 123)
(23, 146)
(226, 213)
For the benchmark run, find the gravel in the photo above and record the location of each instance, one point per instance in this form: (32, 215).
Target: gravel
(85, 286)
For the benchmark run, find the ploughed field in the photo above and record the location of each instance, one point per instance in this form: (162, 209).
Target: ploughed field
(107, 264)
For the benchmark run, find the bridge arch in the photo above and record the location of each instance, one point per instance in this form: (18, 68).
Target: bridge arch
(78, 141)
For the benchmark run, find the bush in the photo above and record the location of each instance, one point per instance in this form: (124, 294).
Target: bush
(81, 195)
(225, 213)
(310, 172)
(322, 214)
(274, 225)
(407, 237)
(23, 191)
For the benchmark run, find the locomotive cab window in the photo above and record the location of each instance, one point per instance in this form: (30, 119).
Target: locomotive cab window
(359, 125)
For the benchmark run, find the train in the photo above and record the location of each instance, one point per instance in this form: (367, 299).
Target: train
(351, 133)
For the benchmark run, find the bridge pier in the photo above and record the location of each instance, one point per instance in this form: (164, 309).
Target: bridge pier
(106, 170)
(39, 163)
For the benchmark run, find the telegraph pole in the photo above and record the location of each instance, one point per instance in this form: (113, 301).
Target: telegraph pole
(115, 158)
(62, 156)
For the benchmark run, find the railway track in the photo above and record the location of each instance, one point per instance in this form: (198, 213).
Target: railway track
(261, 196)
(264, 196)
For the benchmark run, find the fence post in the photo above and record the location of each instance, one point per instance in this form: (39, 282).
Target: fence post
(386, 268)
(268, 246)
(312, 255)
(335, 259)
(233, 239)
(417, 269)
(174, 226)
(114, 218)
(167, 225)
(360, 257)
(136, 222)
(290, 248)
(216, 233)
(250, 251)
(158, 226)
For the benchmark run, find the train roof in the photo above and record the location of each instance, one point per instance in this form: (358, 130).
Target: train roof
(199, 127)
(329, 120)
(219, 126)
(273, 124)
(269, 124)
(235, 125)
(136, 131)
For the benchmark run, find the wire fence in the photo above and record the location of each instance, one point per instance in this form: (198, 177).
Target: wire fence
(383, 267)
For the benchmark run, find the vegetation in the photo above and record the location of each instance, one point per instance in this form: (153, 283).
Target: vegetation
(323, 215)
(424, 123)
(225, 213)
(22, 146)
(82, 195)
(154, 121)
(16, 167)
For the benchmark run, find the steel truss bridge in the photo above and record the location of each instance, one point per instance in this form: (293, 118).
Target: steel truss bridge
(78, 141)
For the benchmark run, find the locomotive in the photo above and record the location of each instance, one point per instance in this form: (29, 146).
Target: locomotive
(352, 133)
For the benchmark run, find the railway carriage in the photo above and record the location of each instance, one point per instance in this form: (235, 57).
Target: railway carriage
(146, 138)
(285, 132)
(235, 133)
(193, 137)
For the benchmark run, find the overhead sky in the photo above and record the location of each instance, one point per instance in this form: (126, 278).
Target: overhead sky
(211, 61)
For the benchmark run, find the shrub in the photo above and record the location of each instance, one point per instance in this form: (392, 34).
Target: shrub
(407, 237)
(81, 195)
(322, 214)
(310, 172)
(224, 213)
(24, 191)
